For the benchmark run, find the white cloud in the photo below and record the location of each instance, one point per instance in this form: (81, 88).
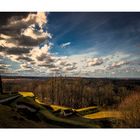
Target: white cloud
(64, 45)
(94, 61)
(117, 64)
(39, 54)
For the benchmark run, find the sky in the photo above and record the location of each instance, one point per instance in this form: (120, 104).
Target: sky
(77, 44)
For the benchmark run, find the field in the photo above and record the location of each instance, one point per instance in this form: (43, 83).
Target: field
(72, 106)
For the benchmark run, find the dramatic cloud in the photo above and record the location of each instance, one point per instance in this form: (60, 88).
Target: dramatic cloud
(26, 31)
(26, 47)
(15, 50)
(21, 35)
(40, 54)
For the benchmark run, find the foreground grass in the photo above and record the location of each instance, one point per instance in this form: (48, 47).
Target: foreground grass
(18, 115)
(6, 96)
(57, 107)
(10, 118)
(43, 114)
(26, 94)
(105, 114)
(87, 110)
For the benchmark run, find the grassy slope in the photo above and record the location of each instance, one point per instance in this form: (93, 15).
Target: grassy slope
(43, 114)
(47, 117)
(9, 118)
(104, 114)
(87, 110)
(57, 107)
(6, 96)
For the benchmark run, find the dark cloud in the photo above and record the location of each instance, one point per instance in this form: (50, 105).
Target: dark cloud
(47, 65)
(19, 53)
(5, 16)
(13, 29)
(46, 57)
(29, 41)
(14, 24)
(25, 58)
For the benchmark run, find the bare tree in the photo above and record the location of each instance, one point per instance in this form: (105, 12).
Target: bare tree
(1, 88)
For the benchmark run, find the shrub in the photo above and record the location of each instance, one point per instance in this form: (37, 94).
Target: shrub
(130, 108)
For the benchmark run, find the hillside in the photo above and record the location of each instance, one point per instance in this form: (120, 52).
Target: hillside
(24, 110)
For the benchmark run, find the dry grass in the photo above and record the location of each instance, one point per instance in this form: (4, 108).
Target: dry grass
(104, 114)
(27, 94)
(130, 108)
(86, 108)
(39, 102)
(57, 107)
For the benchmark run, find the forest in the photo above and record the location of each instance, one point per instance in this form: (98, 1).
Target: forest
(76, 92)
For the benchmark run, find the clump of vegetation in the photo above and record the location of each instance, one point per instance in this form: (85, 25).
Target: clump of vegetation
(130, 108)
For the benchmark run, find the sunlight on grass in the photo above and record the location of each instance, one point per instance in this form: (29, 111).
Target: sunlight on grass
(39, 102)
(27, 94)
(57, 107)
(86, 108)
(104, 114)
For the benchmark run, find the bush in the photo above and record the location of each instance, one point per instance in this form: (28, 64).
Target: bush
(130, 108)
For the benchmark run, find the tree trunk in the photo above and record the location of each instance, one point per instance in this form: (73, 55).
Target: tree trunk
(1, 90)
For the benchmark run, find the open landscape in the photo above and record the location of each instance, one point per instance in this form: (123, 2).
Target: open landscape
(62, 102)
(69, 69)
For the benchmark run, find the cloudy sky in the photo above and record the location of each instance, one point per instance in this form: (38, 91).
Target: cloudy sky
(68, 43)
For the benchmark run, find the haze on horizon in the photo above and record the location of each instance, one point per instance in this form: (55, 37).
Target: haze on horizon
(86, 44)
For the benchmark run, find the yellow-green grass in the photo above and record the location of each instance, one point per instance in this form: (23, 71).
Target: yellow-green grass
(105, 114)
(39, 102)
(57, 107)
(26, 94)
(48, 116)
(86, 108)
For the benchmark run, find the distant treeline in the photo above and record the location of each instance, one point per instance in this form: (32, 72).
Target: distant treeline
(76, 92)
